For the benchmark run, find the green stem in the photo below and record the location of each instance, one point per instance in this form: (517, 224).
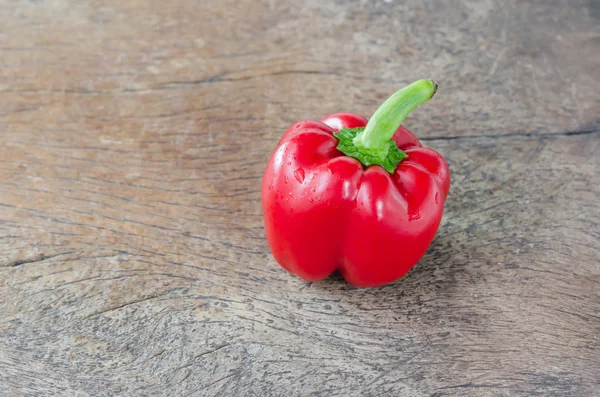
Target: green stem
(390, 115)
(373, 145)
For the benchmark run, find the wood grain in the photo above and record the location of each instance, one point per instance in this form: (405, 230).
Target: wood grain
(132, 252)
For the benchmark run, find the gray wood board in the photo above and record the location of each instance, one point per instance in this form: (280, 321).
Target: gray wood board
(132, 252)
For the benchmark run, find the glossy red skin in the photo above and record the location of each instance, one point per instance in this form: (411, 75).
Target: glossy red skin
(324, 211)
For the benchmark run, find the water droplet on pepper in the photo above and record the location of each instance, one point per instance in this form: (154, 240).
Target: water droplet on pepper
(299, 174)
(413, 215)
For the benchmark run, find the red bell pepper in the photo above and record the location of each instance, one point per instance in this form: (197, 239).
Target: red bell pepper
(365, 198)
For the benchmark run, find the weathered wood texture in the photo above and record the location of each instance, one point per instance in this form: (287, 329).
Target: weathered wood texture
(133, 139)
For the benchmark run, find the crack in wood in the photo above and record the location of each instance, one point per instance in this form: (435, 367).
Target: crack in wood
(117, 307)
(194, 361)
(511, 135)
(35, 259)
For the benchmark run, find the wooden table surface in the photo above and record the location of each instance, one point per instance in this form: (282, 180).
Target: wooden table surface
(133, 139)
